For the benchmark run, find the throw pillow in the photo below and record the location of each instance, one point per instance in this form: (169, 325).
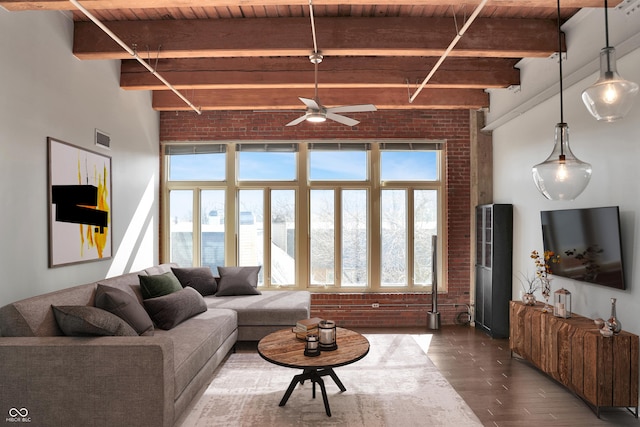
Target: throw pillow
(124, 306)
(159, 285)
(199, 278)
(85, 320)
(238, 281)
(172, 309)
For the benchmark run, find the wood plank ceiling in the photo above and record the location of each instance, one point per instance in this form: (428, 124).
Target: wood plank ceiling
(254, 54)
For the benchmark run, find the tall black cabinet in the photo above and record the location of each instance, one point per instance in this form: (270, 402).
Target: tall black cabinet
(494, 250)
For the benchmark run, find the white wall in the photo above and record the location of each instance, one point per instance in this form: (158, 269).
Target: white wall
(46, 91)
(613, 149)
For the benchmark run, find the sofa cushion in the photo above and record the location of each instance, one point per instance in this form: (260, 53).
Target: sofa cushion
(238, 281)
(159, 285)
(84, 320)
(169, 310)
(199, 278)
(195, 341)
(126, 307)
(282, 308)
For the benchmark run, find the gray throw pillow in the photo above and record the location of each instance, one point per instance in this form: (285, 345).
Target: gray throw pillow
(170, 310)
(124, 306)
(85, 320)
(199, 278)
(238, 281)
(159, 284)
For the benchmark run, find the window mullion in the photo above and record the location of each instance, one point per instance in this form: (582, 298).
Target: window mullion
(303, 226)
(266, 236)
(375, 215)
(197, 225)
(410, 238)
(337, 194)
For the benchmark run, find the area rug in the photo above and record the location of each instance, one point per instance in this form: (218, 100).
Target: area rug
(394, 385)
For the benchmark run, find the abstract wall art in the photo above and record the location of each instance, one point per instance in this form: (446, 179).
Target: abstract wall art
(79, 204)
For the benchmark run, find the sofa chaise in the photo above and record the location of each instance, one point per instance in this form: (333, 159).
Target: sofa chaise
(50, 379)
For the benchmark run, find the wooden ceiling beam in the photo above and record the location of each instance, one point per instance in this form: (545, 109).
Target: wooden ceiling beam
(287, 99)
(336, 72)
(20, 5)
(505, 38)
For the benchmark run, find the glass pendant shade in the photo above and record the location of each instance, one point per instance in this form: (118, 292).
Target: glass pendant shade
(610, 97)
(562, 176)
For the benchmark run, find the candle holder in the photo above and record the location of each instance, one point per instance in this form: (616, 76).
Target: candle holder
(562, 303)
(311, 346)
(327, 335)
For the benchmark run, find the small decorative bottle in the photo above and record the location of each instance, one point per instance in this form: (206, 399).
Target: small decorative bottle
(614, 322)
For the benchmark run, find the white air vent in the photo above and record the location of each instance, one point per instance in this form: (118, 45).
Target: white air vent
(103, 139)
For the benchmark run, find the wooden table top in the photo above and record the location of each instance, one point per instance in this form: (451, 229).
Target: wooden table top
(283, 348)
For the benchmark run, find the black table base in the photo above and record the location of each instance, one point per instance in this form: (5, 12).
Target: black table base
(315, 375)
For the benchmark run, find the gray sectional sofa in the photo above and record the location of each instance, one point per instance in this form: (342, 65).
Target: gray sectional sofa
(124, 380)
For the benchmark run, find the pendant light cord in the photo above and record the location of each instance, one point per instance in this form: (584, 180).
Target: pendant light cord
(560, 64)
(606, 22)
(606, 34)
(561, 99)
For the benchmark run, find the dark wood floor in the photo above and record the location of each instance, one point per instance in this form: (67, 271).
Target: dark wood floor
(501, 390)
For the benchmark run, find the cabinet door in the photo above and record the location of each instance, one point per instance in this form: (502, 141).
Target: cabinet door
(479, 313)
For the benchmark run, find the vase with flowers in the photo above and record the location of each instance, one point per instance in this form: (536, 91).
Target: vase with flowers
(543, 271)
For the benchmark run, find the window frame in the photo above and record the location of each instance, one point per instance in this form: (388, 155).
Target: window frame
(302, 187)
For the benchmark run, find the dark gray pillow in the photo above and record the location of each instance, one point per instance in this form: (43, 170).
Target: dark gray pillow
(85, 320)
(170, 310)
(125, 306)
(199, 278)
(159, 284)
(238, 281)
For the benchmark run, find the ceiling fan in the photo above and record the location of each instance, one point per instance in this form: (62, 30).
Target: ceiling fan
(316, 112)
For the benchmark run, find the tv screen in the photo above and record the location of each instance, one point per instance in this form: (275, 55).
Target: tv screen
(588, 243)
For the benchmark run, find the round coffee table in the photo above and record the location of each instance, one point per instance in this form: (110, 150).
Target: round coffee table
(284, 349)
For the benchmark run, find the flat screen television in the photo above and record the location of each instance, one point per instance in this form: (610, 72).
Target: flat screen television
(588, 243)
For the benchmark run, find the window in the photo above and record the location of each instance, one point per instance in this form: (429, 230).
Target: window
(212, 228)
(266, 162)
(196, 162)
(322, 215)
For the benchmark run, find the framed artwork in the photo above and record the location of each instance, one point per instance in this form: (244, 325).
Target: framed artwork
(79, 204)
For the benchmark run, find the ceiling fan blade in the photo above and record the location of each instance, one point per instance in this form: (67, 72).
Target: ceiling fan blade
(353, 108)
(342, 119)
(310, 103)
(297, 121)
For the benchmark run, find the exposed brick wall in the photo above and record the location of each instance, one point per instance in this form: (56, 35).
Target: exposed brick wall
(450, 125)
(395, 310)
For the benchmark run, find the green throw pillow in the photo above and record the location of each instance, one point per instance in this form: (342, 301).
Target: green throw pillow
(159, 285)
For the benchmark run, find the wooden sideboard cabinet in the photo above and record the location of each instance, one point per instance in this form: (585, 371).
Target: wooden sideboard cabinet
(602, 371)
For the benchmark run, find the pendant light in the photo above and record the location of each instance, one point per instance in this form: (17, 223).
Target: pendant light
(562, 176)
(610, 97)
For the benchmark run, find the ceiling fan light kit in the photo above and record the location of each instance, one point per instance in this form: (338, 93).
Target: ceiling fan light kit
(316, 117)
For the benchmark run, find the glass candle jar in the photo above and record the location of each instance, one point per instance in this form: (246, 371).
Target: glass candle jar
(327, 335)
(311, 347)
